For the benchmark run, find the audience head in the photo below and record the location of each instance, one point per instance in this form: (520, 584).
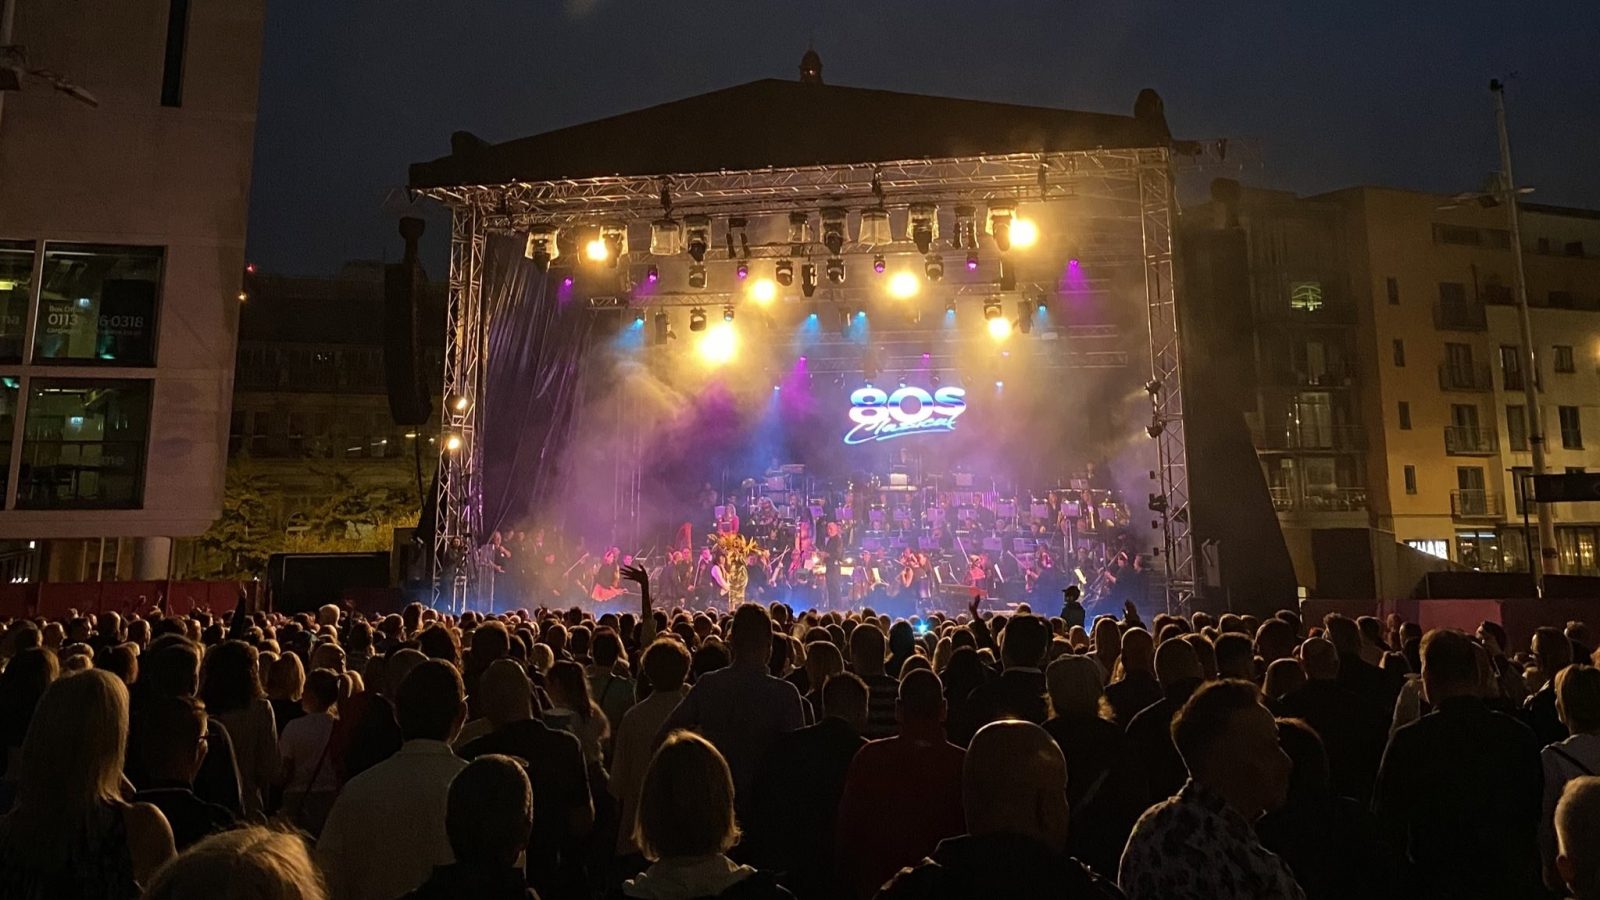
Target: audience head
(1578, 698)
(1552, 651)
(1344, 633)
(286, 678)
(1024, 642)
(866, 650)
(1449, 665)
(750, 637)
(401, 662)
(431, 703)
(844, 696)
(665, 664)
(1014, 781)
(921, 699)
(1309, 776)
(1176, 663)
(1320, 658)
(1075, 687)
(321, 691)
(1236, 656)
(228, 679)
(1577, 822)
(489, 811)
(686, 805)
(1275, 639)
(1138, 652)
(1284, 677)
(171, 743)
(1229, 742)
(252, 863)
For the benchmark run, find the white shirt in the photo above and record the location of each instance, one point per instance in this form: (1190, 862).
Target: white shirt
(386, 831)
(303, 747)
(630, 755)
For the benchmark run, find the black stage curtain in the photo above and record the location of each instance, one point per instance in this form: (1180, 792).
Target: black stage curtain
(532, 384)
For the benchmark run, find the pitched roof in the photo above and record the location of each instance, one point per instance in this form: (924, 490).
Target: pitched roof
(782, 124)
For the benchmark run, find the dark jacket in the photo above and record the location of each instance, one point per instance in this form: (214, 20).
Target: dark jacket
(461, 881)
(1150, 741)
(997, 867)
(1353, 729)
(1131, 695)
(1331, 844)
(1539, 711)
(1106, 789)
(190, 817)
(1017, 693)
(792, 831)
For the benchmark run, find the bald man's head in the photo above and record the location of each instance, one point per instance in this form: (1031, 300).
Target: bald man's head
(921, 698)
(1320, 658)
(1177, 662)
(1014, 780)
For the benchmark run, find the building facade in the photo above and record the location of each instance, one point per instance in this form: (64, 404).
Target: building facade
(122, 237)
(1384, 381)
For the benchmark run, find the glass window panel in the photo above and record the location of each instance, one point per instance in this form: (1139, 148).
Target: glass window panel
(16, 282)
(98, 305)
(84, 444)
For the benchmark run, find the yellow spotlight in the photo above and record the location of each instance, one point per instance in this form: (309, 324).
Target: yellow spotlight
(719, 344)
(597, 251)
(763, 290)
(1024, 233)
(1000, 328)
(452, 442)
(904, 285)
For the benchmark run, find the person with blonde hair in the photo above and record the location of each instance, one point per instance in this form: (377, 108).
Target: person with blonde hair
(1578, 704)
(254, 863)
(685, 825)
(69, 834)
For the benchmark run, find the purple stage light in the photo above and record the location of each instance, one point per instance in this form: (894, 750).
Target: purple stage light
(567, 281)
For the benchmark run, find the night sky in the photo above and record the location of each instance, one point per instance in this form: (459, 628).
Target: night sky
(1331, 93)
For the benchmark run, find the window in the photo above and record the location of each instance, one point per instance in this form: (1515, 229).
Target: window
(1517, 426)
(1405, 416)
(1305, 295)
(16, 284)
(1411, 479)
(83, 444)
(98, 305)
(1574, 248)
(1399, 353)
(8, 419)
(1392, 285)
(1497, 293)
(172, 62)
(1571, 427)
(1511, 366)
(1464, 415)
(1563, 359)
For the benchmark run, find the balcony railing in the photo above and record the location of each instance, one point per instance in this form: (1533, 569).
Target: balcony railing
(1461, 440)
(1459, 316)
(1470, 377)
(1344, 499)
(1310, 437)
(1475, 504)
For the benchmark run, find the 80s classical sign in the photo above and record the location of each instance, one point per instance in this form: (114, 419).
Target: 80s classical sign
(880, 416)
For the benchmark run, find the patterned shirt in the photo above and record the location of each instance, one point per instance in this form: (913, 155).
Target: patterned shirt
(1192, 845)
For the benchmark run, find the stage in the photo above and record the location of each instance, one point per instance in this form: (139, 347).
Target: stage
(890, 370)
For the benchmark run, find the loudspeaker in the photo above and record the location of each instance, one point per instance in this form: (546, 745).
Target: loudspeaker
(410, 402)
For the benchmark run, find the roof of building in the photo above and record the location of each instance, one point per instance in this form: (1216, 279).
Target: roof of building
(785, 124)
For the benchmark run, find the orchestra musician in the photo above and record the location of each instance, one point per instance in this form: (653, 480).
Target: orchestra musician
(678, 580)
(607, 581)
(978, 577)
(832, 549)
(728, 521)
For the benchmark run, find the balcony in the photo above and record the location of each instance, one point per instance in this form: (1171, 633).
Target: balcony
(1459, 316)
(1469, 377)
(1462, 440)
(1322, 499)
(1310, 437)
(1475, 504)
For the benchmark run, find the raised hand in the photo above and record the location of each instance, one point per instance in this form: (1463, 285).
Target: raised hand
(637, 575)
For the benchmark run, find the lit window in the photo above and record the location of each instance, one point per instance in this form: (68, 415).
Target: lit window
(1306, 295)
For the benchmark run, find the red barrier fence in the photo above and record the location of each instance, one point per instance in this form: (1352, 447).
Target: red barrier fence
(1519, 616)
(57, 599)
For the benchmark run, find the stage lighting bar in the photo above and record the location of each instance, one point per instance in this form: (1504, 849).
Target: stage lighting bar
(922, 226)
(742, 270)
(666, 237)
(727, 313)
(1000, 218)
(543, 247)
(697, 319)
(879, 263)
(784, 272)
(933, 267)
(808, 279)
(972, 261)
(698, 229)
(697, 276)
(652, 274)
(607, 302)
(835, 270)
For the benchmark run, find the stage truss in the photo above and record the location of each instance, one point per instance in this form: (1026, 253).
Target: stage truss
(1138, 182)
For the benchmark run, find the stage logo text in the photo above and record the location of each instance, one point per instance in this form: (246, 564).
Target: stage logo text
(880, 416)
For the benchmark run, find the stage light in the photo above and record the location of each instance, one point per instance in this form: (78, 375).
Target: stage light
(1024, 233)
(719, 344)
(1000, 219)
(566, 281)
(457, 403)
(699, 230)
(1044, 305)
(453, 442)
(1152, 387)
(736, 234)
(1008, 275)
(966, 228)
(904, 285)
(922, 226)
(697, 319)
(933, 267)
(1024, 317)
(1155, 429)
(763, 291)
(950, 306)
(614, 243)
(663, 328)
(243, 296)
(596, 250)
(542, 247)
(972, 261)
(879, 264)
(742, 271)
(652, 274)
(638, 319)
(799, 229)
(697, 276)
(835, 270)
(666, 237)
(727, 313)
(875, 228)
(808, 279)
(834, 231)
(1000, 328)
(784, 272)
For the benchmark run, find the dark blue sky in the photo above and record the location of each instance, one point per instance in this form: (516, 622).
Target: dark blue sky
(1332, 93)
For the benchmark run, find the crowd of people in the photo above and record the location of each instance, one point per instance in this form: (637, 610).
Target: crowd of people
(763, 753)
